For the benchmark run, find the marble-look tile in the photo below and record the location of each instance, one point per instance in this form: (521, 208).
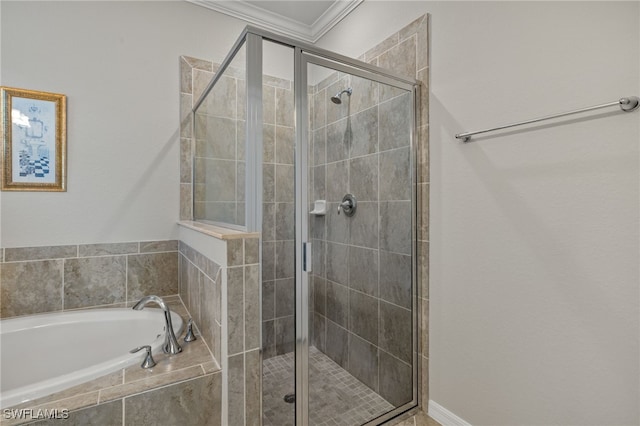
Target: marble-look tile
(423, 268)
(186, 85)
(221, 100)
(363, 361)
(184, 278)
(324, 83)
(365, 94)
(423, 331)
(319, 117)
(207, 310)
(423, 212)
(109, 414)
(285, 259)
(319, 295)
(337, 228)
(285, 178)
(235, 309)
(395, 122)
(268, 222)
(276, 82)
(253, 392)
(71, 404)
(186, 116)
(235, 252)
(268, 339)
(395, 278)
(285, 335)
(395, 226)
(423, 77)
(285, 293)
(363, 226)
(268, 143)
(200, 64)
(319, 332)
(186, 202)
(268, 261)
(410, 29)
(108, 380)
(395, 331)
(424, 381)
(395, 166)
(363, 316)
(396, 382)
(18, 254)
(94, 281)
(423, 155)
(236, 390)
(337, 176)
(319, 146)
(251, 251)
(363, 270)
(284, 108)
(319, 257)
(339, 135)
(193, 354)
(268, 183)
(337, 303)
(285, 221)
(268, 104)
(381, 47)
(211, 367)
(152, 381)
(252, 307)
(152, 273)
(268, 300)
(364, 133)
(337, 263)
(25, 283)
(215, 137)
(401, 58)
(200, 81)
(193, 402)
(158, 246)
(186, 160)
(285, 151)
(337, 346)
(364, 178)
(87, 250)
(422, 40)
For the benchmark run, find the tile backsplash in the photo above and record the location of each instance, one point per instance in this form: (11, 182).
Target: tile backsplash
(56, 278)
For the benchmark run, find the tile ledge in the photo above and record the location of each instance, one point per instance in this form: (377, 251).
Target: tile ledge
(218, 232)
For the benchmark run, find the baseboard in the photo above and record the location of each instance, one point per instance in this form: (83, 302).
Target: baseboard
(445, 417)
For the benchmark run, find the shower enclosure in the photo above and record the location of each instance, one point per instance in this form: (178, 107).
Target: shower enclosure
(316, 151)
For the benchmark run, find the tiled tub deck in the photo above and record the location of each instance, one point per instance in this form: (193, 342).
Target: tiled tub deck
(189, 382)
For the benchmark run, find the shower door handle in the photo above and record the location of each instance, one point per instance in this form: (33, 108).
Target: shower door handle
(307, 258)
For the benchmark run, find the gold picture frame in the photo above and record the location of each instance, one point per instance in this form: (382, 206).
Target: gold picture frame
(34, 140)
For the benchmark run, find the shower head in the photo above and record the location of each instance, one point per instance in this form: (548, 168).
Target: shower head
(337, 98)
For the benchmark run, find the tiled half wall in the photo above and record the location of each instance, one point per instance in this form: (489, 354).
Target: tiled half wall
(56, 278)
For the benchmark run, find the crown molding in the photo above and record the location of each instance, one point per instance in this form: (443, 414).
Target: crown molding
(280, 24)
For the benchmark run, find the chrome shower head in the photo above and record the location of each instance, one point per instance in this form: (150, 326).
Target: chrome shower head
(337, 98)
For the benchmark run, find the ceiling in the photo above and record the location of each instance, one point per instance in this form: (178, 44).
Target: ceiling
(307, 20)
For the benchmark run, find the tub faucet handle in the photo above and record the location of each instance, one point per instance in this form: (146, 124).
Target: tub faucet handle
(190, 337)
(148, 360)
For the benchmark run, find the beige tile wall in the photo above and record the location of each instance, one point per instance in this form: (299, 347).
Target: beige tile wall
(56, 278)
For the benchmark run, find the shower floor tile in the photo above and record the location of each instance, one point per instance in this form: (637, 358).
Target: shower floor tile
(335, 396)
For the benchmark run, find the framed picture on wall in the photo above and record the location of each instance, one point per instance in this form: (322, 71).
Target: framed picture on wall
(34, 140)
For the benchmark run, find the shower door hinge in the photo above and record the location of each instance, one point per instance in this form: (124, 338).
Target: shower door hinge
(306, 257)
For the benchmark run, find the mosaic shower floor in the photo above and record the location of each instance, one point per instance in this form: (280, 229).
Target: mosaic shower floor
(335, 396)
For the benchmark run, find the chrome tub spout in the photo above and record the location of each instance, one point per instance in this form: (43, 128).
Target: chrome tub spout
(171, 345)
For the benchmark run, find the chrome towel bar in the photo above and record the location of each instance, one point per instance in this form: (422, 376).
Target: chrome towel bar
(627, 104)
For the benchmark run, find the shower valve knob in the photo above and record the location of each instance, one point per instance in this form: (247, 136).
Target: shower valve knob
(348, 205)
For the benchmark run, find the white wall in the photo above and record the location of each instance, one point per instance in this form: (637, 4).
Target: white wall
(534, 234)
(117, 62)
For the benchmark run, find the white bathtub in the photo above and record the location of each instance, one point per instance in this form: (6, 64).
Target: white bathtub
(43, 354)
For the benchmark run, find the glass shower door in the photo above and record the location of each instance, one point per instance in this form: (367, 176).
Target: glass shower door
(356, 327)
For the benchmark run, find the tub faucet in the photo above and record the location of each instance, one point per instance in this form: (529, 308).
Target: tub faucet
(171, 345)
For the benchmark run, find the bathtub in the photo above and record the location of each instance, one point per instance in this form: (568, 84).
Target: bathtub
(43, 354)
